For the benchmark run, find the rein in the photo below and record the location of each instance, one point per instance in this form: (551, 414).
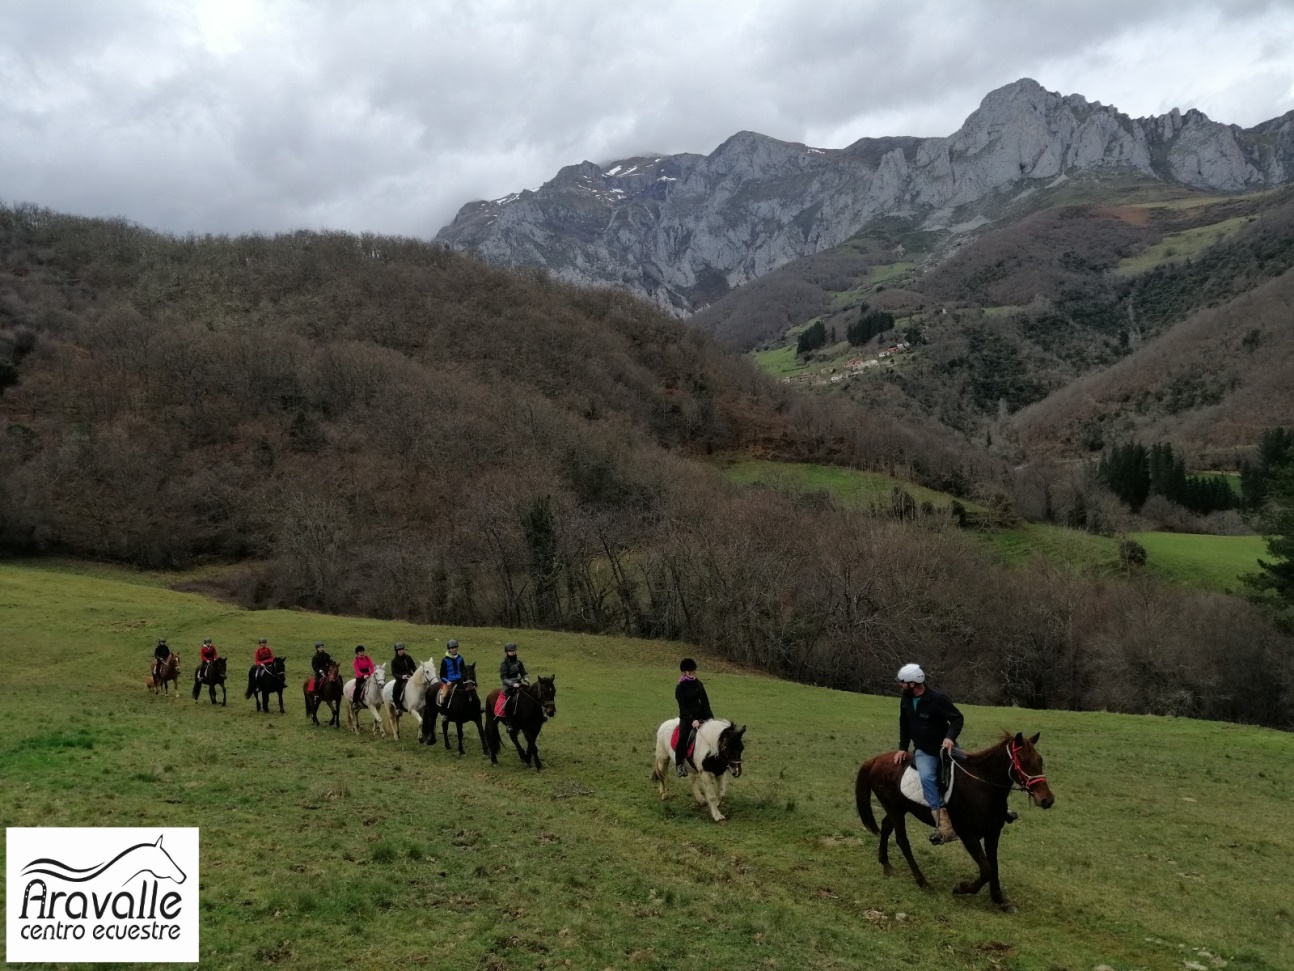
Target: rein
(1018, 779)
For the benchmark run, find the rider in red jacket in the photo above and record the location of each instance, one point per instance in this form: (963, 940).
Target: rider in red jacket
(363, 666)
(263, 657)
(208, 654)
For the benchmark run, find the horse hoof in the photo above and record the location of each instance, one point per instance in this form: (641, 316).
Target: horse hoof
(964, 887)
(1007, 906)
(721, 821)
(889, 870)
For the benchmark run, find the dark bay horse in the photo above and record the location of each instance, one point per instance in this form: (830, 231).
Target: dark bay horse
(212, 675)
(462, 704)
(977, 806)
(263, 682)
(324, 690)
(531, 707)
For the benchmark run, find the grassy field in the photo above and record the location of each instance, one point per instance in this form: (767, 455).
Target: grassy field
(1207, 562)
(780, 361)
(322, 850)
(1175, 247)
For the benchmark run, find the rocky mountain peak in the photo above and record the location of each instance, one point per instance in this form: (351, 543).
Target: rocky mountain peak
(681, 230)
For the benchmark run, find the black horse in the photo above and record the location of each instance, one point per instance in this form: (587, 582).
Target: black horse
(462, 704)
(324, 690)
(530, 708)
(211, 675)
(263, 682)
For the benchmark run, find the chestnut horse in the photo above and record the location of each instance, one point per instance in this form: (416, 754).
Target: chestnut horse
(324, 690)
(977, 807)
(164, 672)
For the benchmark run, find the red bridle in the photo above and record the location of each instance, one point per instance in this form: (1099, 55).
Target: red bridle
(1020, 777)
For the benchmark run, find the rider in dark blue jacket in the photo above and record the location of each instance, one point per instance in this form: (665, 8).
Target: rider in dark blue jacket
(451, 669)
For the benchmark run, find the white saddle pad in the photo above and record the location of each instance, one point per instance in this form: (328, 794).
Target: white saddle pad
(910, 786)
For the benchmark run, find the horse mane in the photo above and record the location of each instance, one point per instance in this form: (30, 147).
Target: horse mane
(1003, 739)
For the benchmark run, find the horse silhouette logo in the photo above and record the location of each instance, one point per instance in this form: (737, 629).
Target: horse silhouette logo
(149, 858)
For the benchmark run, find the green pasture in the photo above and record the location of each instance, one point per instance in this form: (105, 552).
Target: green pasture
(876, 275)
(1175, 247)
(850, 486)
(1203, 561)
(1168, 843)
(780, 361)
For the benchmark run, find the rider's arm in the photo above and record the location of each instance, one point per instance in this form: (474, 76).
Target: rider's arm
(905, 731)
(955, 720)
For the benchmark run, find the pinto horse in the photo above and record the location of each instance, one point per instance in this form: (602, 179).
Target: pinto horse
(324, 690)
(716, 754)
(213, 674)
(977, 807)
(531, 707)
(265, 681)
(462, 704)
(165, 672)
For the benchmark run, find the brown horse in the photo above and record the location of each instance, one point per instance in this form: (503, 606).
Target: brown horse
(977, 807)
(530, 708)
(165, 672)
(324, 690)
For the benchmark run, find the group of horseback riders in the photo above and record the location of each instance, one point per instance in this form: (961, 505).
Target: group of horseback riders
(512, 671)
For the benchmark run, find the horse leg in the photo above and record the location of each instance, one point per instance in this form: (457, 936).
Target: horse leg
(480, 733)
(282, 710)
(533, 750)
(444, 730)
(973, 847)
(711, 790)
(901, 838)
(521, 753)
(994, 886)
(224, 695)
(883, 850)
(460, 738)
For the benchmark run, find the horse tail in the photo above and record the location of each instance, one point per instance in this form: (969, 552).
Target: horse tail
(863, 798)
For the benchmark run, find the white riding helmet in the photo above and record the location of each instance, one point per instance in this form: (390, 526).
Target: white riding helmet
(911, 672)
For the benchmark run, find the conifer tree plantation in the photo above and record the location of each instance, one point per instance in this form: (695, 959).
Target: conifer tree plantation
(376, 426)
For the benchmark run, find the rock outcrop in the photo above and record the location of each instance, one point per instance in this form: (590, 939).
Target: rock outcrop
(681, 230)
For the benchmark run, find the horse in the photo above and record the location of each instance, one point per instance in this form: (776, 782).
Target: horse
(325, 689)
(717, 753)
(150, 858)
(164, 672)
(263, 682)
(421, 684)
(213, 675)
(462, 704)
(371, 699)
(531, 707)
(977, 807)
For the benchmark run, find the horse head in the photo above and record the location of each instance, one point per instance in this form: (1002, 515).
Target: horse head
(155, 860)
(468, 682)
(546, 695)
(1026, 769)
(334, 672)
(379, 675)
(731, 747)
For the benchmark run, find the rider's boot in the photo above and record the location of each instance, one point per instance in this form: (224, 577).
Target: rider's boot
(1011, 816)
(945, 833)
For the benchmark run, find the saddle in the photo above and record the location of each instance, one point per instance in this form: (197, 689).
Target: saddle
(910, 784)
(691, 742)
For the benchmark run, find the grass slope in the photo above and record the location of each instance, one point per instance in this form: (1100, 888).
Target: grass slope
(1168, 843)
(1207, 562)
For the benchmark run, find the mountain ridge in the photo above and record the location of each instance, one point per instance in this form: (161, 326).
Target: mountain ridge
(682, 230)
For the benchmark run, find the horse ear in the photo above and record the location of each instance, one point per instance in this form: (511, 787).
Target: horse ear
(742, 730)
(1019, 738)
(159, 840)
(553, 678)
(1034, 740)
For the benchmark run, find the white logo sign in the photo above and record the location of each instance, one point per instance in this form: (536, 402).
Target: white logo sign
(101, 894)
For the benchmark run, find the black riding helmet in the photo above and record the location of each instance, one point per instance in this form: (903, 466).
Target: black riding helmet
(399, 645)
(319, 645)
(509, 648)
(359, 649)
(453, 644)
(687, 664)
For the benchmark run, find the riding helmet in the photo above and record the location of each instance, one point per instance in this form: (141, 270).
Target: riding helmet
(261, 641)
(318, 644)
(911, 673)
(161, 641)
(687, 664)
(399, 645)
(509, 648)
(452, 644)
(359, 648)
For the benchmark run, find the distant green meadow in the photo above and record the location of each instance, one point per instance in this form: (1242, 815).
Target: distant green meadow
(1206, 562)
(1167, 848)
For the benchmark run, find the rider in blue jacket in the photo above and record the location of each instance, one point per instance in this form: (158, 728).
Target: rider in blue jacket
(451, 669)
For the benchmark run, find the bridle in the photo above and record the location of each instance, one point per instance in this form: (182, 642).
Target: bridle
(1024, 782)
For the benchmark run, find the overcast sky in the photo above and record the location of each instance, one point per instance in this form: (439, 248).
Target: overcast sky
(233, 116)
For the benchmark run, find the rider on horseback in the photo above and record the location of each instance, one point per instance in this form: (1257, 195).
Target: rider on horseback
(693, 709)
(929, 720)
(363, 667)
(321, 662)
(208, 655)
(512, 673)
(451, 670)
(403, 668)
(263, 659)
(160, 655)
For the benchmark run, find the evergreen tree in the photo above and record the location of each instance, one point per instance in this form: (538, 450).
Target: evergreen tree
(1276, 575)
(811, 338)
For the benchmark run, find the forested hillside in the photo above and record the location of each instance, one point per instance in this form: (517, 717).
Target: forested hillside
(378, 426)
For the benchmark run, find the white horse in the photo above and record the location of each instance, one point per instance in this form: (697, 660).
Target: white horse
(372, 700)
(718, 752)
(422, 684)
